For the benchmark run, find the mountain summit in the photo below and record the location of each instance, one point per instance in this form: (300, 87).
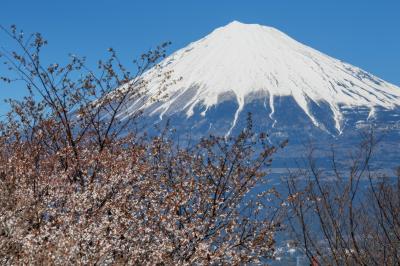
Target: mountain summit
(242, 63)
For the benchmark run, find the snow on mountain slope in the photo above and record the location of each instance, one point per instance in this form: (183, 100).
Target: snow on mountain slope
(245, 59)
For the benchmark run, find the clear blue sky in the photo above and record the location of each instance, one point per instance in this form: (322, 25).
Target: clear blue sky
(365, 33)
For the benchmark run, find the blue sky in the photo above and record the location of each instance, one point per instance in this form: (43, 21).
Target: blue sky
(365, 33)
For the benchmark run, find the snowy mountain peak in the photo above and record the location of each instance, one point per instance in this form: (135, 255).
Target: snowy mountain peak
(240, 60)
(234, 23)
(237, 25)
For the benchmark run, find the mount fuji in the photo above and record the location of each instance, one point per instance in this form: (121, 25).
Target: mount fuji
(293, 91)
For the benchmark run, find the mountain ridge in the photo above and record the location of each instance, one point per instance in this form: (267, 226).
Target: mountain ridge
(239, 60)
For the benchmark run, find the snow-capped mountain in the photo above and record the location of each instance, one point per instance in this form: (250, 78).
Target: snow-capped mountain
(290, 88)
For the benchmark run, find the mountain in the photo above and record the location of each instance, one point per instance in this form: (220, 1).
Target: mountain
(292, 90)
